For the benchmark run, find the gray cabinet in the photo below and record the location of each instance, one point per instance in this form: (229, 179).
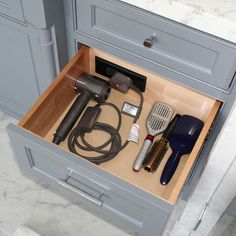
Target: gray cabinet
(29, 58)
(137, 200)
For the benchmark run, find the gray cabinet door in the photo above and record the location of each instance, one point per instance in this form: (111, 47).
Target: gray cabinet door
(12, 8)
(18, 90)
(32, 51)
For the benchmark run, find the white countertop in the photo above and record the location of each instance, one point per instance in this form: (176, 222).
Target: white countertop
(216, 17)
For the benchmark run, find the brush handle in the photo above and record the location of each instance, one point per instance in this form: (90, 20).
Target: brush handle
(170, 167)
(138, 163)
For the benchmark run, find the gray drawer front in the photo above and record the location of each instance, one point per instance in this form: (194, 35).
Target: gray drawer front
(195, 55)
(51, 164)
(81, 179)
(12, 8)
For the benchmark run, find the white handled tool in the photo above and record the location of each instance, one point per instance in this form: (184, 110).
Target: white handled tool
(157, 122)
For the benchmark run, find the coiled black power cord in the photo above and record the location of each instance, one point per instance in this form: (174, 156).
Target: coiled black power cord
(115, 141)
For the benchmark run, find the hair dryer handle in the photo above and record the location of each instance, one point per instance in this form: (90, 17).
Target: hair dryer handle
(71, 117)
(170, 167)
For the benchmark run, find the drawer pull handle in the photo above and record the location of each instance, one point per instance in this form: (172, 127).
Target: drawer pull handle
(80, 193)
(148, 42)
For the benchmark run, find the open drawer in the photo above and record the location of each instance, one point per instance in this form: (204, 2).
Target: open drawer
(134, 198)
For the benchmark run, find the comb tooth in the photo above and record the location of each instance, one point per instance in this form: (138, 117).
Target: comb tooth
(164, 112)
(154, 118)
(161, 124)
(152, 126)
(155, 124)
(156, 109)
(167, 111)
(151, 119)
(158, 125)
(168, 114)
(164, 122)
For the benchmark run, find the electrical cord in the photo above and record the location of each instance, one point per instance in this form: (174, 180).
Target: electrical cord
(114, 141)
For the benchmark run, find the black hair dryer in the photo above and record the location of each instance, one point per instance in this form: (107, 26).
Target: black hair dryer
(89, 87)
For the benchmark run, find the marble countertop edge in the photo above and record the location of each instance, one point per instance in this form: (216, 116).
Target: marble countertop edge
(195, 17)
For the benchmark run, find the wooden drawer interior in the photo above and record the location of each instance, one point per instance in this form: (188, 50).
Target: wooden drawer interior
(45, 116)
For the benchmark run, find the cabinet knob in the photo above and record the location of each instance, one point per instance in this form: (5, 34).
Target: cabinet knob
(148, 42)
